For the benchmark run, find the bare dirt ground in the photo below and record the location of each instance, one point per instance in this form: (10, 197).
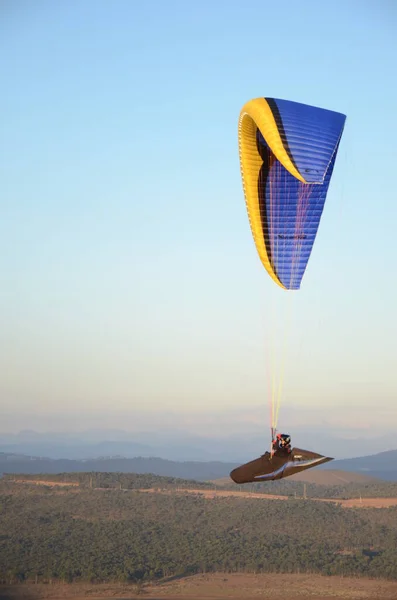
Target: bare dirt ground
(352, 503)
(218, 493)
(48, 483)
(217, 587)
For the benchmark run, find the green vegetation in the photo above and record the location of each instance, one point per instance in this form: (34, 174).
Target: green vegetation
(127, 535)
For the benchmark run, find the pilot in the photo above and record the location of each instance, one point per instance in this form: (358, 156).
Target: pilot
(282, 442)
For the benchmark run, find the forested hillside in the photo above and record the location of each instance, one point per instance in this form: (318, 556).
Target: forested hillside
(78, 533)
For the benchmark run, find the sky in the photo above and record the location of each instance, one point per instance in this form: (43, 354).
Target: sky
(130, 283)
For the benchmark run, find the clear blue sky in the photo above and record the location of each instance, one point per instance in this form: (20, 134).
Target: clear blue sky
(129, 278)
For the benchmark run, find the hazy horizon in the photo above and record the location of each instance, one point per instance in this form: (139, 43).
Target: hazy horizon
(222, 435)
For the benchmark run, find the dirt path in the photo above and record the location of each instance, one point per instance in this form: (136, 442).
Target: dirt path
(217, 493)
(351, 503)
(48, 483)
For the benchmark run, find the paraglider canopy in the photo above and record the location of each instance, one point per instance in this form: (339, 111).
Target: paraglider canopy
(287, 155)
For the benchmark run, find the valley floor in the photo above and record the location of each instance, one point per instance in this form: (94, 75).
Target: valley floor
(216, 587)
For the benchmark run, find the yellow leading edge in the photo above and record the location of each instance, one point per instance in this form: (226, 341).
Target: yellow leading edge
(257, 114)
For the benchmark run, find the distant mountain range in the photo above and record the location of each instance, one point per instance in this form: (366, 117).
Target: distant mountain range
(380, 466)
(91, 444)
(201, 471)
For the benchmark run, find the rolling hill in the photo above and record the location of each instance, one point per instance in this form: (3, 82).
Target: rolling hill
(382, 465)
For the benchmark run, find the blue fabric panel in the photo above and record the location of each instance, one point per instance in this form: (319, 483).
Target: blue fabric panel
(309, 134)
(291, 213)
